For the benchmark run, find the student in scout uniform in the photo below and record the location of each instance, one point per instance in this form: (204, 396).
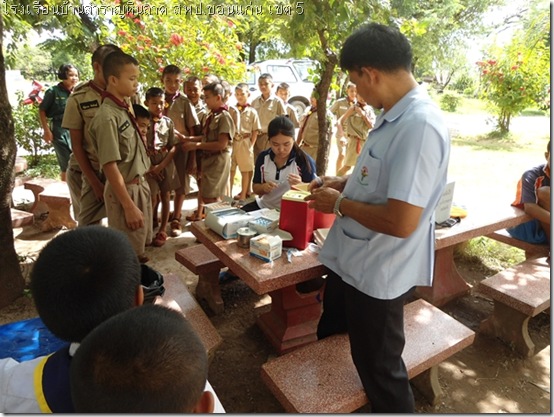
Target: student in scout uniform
(357, 121)
(122, 366)
(243, 142)
(87, 191)
(193, 90)
(52, 107)
(338, 108)
(382, 242)
(308, 135)
(234, 112)
(283, 92)
(123, 154)
(162, 176)
(179, 109)
(215, 145)
(268, 107)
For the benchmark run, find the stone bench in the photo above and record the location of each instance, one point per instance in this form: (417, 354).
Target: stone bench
(177, 296)
(21, 218)
(202, 262)
(57, 199)
(531, 250)
(321, 377)
(519, 293)
(37, 186)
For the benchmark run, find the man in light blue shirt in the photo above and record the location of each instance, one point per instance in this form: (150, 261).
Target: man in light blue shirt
(382, 242)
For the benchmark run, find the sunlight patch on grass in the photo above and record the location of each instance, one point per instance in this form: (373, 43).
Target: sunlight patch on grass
(489, 254)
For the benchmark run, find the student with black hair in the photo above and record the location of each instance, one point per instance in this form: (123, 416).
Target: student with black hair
(84, 177)
(52, 107)
(281, 166)
(122, 153)
(77, 282)
(145, 360)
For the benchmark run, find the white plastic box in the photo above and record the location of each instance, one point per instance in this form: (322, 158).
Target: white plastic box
(266, 247)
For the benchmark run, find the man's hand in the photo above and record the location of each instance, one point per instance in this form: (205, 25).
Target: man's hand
(48, 136)
(323, 199)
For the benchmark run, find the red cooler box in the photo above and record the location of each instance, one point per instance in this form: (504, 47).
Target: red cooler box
(323, 220)
(296, 218)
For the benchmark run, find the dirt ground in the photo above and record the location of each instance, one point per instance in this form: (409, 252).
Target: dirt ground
(486, 377)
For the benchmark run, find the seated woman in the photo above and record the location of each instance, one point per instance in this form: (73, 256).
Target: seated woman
(281, 166)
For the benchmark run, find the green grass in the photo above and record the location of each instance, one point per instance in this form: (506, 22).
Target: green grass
(45, 167)
(488, 256)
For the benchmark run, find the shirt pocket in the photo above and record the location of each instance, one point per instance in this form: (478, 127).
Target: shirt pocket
(367, 174)
(353, 254)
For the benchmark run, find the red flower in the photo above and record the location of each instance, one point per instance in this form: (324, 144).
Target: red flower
(206, 69)
(121, 33)
(515, 67)
(176, 39)
(186, 70)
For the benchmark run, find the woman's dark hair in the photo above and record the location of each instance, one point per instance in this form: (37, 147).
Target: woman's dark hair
(283, 125)
(63, 70)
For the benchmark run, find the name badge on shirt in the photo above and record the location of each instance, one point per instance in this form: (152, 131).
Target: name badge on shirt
(87, 105)
(124, 126)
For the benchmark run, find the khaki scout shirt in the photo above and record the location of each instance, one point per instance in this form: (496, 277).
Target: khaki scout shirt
(268, 110)
(165, 137)
(310, 132)
(221, 123)
(249, 121)
(115, 138)
(356, 126)
(340, 107)
(80, 108)
(183, 114)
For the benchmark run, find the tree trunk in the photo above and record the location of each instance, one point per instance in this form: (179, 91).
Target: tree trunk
(323, 91)
(11, 279)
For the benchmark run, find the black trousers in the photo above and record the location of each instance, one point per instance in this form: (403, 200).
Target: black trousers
(376, 331)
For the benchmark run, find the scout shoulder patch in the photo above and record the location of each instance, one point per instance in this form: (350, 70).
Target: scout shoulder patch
(87, 105)
(124, 126)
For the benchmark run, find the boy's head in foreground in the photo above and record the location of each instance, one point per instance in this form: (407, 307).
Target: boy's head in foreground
(121, 72)
(82, 278)
(145, 360)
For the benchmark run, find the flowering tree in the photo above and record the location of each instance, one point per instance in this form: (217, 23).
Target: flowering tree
(160, 33)
(518, 76)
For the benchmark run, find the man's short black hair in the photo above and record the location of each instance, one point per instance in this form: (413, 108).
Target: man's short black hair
(145, 360)
(171, 69)
(83, 277)
(114, 63)
(141, 111)
(377, 46)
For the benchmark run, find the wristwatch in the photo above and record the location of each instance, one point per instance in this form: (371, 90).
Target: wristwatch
(336, 209)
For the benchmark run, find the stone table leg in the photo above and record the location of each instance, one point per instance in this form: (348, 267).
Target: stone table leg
(58, 214)
(292, 320)
(208, 289)
(511, 326)
(428, 384)
(448, 284)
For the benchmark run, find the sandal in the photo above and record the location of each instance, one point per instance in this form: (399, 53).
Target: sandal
(176, 228)
(143, 259)
(194, 217)
(160, 239)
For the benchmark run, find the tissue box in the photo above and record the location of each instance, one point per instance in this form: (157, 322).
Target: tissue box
(226, 222)
(297, 218)
(266, 247)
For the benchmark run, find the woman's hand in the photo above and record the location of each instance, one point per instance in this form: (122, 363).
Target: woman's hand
(294, 179)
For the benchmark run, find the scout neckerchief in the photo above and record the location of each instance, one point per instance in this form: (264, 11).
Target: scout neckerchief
(313, 109)
(242, 108)
(63, 87)
(95, 87)
(123, 105)
(169, 99)
(211, 117)
(155, 137)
